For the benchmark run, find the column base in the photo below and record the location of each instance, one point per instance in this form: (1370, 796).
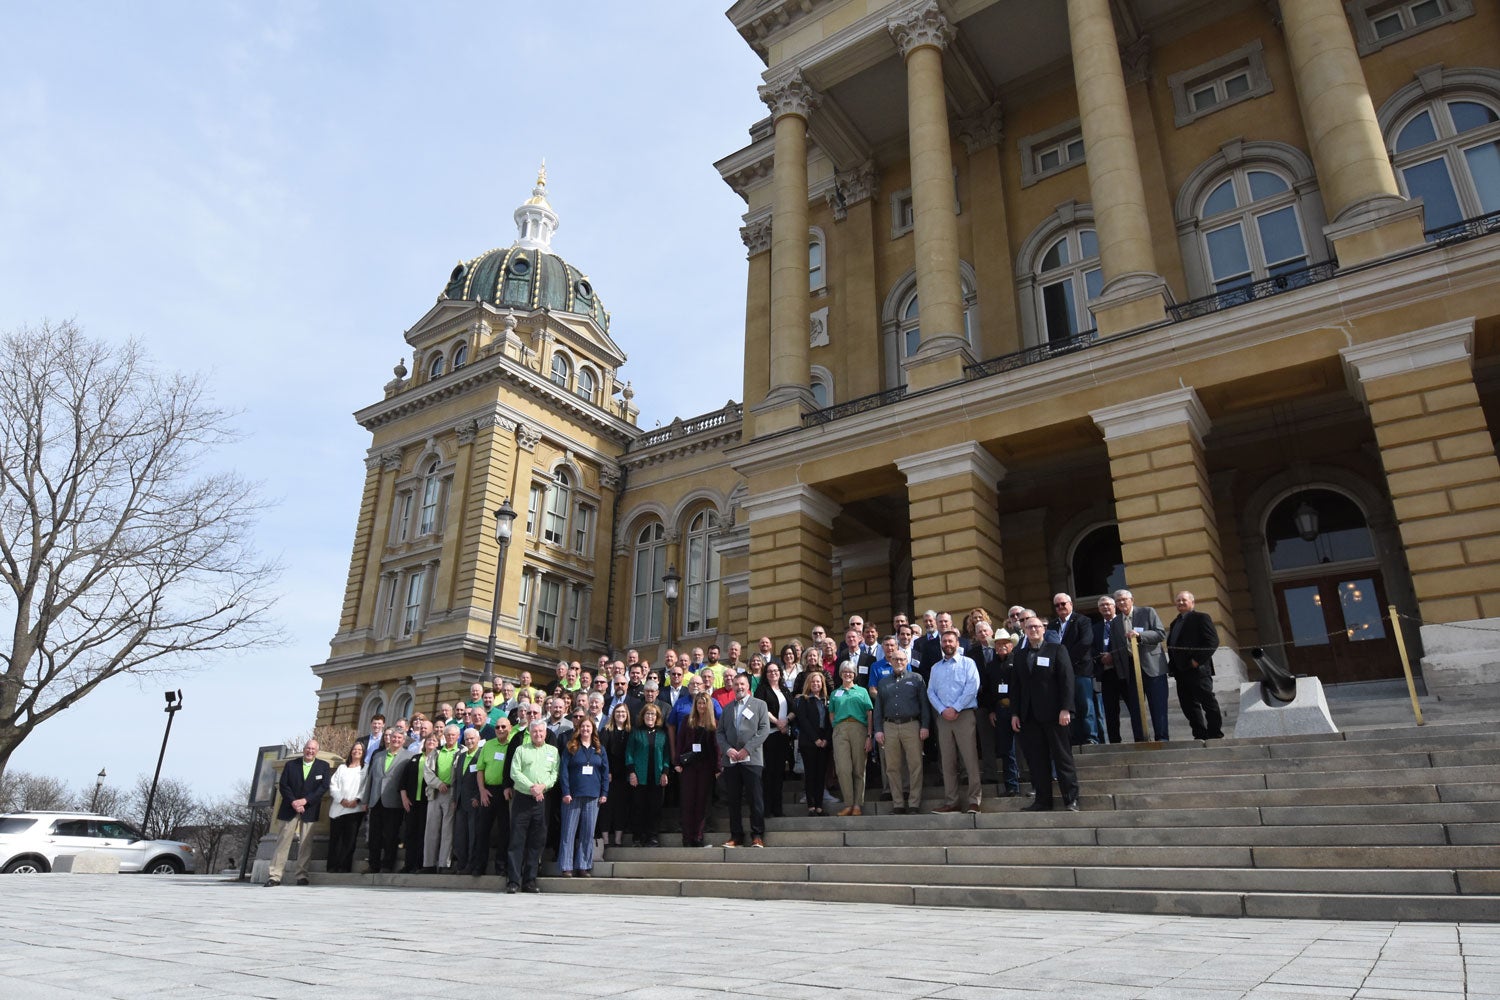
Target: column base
(939, 361)
(1459, 654)
(1130, 302)
(1375, 228)
(782, 409)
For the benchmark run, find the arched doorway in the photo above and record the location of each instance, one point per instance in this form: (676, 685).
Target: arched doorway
(1330, 593)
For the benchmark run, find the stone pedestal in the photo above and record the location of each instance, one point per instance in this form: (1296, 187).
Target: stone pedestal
(1303, 715)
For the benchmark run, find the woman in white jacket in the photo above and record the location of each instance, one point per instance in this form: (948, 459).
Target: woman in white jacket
(347, 810)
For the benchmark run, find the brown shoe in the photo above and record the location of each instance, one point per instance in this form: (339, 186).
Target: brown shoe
(856, 811)
(730, 843)
(946, 809)
(973, 806)
(757, 842)
(847, 811)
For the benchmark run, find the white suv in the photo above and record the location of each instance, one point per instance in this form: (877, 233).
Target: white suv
(33, 841)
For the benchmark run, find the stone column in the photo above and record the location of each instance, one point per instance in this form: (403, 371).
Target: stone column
(791, 100)
(1444, 482)
(851, 259)
(757, 237)
(376, 537)
(1370, 218)
(1165, 511)
(456, 521)
(1134, 293)
(994, 265)
(921, 34)
(791, 560)
(364, 533)
(955, 528)
(493, 477)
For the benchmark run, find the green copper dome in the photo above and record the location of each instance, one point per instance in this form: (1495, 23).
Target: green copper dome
(526, 279)
(527, 275)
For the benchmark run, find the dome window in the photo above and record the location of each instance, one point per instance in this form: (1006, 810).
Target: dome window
(520, 266)
(458, 273)
(583, 290)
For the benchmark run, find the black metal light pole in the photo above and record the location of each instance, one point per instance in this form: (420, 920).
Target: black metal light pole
(174, 704)
(505, 516)
(671, 580)
(98, 787)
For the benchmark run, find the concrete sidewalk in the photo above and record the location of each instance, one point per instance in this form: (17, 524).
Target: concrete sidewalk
(74, 936)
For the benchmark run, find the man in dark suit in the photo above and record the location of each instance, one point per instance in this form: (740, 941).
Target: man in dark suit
(994, 704)
(927, 648)
(1076, 634)
(1191, 642)
(374, 739)
(1042, 692)
(1146, 625)
(302, 786)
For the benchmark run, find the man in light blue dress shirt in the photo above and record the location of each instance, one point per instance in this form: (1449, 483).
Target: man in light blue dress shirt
(953, 690)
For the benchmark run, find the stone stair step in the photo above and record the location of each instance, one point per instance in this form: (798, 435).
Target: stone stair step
(1377, 856)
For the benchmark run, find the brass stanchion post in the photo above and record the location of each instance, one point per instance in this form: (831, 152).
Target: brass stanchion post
(1140, 687)
(1411, 684)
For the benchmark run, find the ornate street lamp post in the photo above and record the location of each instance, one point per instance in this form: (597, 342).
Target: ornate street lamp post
(671, 580)
(505, 516)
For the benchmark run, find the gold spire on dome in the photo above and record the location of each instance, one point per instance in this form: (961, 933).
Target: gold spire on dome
(539, 193)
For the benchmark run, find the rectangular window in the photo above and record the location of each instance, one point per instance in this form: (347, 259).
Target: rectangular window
(391, 584)
(523, 603)
(1051, 152)
(577, 598)
(411, 617)
(583, 529)
(403, 516)
(903, 213)
(430, 492)
(555, 523)
(1219, 83)
(534, 507)
(1378, 23)
(548, 606)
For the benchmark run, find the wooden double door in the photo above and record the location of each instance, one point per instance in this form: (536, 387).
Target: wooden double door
(1336, 626)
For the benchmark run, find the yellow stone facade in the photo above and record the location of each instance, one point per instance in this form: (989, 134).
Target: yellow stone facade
(1039, 297)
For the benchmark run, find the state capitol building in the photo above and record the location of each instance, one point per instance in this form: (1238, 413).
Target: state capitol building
(1040, 295)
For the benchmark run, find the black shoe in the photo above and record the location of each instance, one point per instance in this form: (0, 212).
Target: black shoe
(1072, 807)
(653, 842)
(1036, 807)
(272, 883)
(512, 888)
(303, 880)
(531, 887)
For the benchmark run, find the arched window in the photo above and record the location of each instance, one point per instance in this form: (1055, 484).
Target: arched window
(902, 320)
(586, 383)
(817, 271)
(646, 586)
(1098, 566)
(560, 369)
(435, 366)
(702, 573)
(1447, 152)
(1068, 275)
(460, 356)
(1317, 527)
(555, 530)
(374, 705)
(432, 488)
(401, 706)
(822, 386)
(1251, 230)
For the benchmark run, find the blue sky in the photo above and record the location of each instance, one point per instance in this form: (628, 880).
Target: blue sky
(271, 192)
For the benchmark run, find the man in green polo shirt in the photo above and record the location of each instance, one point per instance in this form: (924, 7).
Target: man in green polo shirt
(437, 853)
(533, 770)
(494, 823)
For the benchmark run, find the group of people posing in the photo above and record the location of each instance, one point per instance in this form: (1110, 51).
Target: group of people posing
(600, 753)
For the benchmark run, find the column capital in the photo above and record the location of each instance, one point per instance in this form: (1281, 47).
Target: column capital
(796, 499)
(852, 187)
(921, 24)
(981, 131)
(967, 458)
(528, 436)
(390, 461)
(790, 94)
(756, 235)
(1408, 352)
(1170, 409)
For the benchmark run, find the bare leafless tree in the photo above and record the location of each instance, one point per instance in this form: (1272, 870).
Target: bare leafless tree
(174, 807)
(120, 550)
(23, 790)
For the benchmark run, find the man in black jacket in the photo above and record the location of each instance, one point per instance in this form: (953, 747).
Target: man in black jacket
(1076, 633)
(1041, 711)
(302, 787)
(1191, 641)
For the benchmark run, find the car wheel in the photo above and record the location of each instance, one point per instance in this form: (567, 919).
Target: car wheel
(27, 866)
(164, 866)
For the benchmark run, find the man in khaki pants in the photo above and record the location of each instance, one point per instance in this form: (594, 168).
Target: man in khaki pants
(302, 787)
(903, 719)
(953, 691)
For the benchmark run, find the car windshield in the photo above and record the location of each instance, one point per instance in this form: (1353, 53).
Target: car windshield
(114, 828)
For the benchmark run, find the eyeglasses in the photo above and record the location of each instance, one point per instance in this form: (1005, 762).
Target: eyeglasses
(1062, 604)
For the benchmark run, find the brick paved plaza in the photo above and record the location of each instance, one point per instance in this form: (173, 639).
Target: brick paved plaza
(127, 936)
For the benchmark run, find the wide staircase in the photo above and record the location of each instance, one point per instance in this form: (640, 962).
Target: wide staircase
(1390, 824)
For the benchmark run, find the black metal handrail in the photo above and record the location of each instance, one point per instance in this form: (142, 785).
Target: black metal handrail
(1263, 289)
(1468, 229)
(1032, 355)
(873, 401)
